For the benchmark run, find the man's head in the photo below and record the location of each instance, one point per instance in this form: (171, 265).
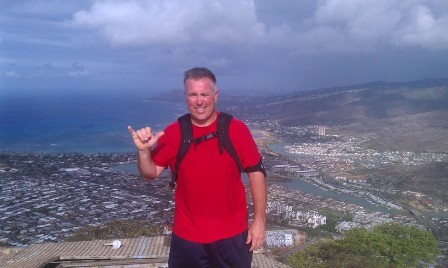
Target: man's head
(201, 94)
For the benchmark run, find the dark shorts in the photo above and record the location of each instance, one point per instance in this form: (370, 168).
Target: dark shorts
(230, 252)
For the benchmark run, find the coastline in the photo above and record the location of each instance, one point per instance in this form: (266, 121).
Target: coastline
(98, 171)
(58, 193)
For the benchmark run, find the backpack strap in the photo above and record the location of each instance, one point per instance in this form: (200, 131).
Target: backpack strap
(186, 134)
(225, 142)
(186, 139)
(224, 138)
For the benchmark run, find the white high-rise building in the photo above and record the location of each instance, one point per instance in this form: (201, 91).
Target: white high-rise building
(321, 130)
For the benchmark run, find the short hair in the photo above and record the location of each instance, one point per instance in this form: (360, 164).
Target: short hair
(199, 73)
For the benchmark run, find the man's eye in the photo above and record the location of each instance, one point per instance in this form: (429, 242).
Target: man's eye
(205, 95)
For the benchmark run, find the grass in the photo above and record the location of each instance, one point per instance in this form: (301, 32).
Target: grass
(117, 229)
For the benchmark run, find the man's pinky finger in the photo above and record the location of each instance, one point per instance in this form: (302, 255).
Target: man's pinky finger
(131, 130)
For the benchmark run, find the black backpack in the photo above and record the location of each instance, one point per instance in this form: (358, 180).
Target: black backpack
(222, 133)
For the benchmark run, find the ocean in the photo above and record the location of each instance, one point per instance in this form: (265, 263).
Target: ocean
(79, 122)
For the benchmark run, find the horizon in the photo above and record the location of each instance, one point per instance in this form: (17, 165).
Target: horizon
(232, 91)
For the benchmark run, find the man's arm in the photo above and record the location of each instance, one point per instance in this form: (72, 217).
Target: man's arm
(144, 140)
(148, 169)
(257, 231)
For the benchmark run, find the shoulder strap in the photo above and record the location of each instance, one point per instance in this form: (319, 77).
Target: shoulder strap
(224, 138)
(186, 133)
(225, 142)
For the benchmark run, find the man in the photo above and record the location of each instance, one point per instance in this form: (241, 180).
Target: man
(210, 222)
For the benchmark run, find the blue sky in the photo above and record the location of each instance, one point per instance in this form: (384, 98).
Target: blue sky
(252, 46)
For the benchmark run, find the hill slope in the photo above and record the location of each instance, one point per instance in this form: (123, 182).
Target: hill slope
(400, 116)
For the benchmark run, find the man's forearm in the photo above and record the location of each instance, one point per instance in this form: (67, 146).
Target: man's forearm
(257, 231)
(259, 195)
(146, 165)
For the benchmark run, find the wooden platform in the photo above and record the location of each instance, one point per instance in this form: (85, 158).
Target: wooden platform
(134, 253)
(142, 250)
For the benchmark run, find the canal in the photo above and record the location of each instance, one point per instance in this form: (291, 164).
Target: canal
(307, 187)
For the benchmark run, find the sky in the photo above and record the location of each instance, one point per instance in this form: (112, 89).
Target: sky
(252, 46)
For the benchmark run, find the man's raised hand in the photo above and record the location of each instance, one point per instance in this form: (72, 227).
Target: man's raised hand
(144, 138)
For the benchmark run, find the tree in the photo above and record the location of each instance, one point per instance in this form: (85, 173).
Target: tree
(388, 245)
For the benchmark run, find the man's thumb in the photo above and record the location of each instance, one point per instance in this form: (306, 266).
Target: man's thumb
(158, 135)
(249, 238)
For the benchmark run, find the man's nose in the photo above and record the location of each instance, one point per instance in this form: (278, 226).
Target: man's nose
(199, 100)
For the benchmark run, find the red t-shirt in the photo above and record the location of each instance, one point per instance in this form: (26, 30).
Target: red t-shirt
(210, 196)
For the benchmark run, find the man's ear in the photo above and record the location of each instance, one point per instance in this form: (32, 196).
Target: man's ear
(216, 95)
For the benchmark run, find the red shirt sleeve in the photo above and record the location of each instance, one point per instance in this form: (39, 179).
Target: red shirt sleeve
(244, 143)
(164, 154)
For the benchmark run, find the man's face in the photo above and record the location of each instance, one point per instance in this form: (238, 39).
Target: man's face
(201, 97)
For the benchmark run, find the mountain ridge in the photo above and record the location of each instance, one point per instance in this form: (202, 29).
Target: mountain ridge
(405, 116)
(410, 116)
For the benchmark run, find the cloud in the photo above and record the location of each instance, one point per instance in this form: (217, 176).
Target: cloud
(11, 74)
(249, 43)
(363, 25)
(136, 23)
(77, 70)
(46, 8)
(334, 26)
(424, 29)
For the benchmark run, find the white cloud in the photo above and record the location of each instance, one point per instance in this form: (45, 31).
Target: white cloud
(11, 74)
(423, 29)
(172, 22)
(359, 25)
(335, 26)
